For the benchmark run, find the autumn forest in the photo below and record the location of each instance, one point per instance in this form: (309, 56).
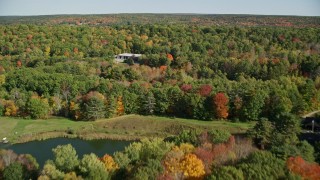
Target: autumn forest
(263, 70)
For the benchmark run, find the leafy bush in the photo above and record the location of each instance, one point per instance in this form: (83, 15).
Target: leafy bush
(219, 136)
(152, 169)
(303, 149)
(262, 165)
(65, 158)
(13, 172)
(227, 173)
(187, 136)
(38, 108)
(92, 168)
(317, 151)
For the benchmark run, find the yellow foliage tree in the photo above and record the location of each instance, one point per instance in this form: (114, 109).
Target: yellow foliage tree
(192, 167)
(172, 161)
(149, 43)
(175, 162)
(2, 79)
(75, 109)
(73, 106)
(72, 176)
(11, 108)
(186, 148)
(47, 51)
(109, 163)
(120, 107)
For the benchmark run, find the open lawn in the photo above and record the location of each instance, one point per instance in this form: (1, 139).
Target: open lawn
(124, 127)
(16, 128)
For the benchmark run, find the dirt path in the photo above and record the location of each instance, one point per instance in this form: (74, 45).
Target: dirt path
(311, 114)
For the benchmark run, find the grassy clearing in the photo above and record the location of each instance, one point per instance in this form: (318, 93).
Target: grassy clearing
(124, 127)
(20, 130)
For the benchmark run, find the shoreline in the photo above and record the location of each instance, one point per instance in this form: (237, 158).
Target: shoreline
(90, 136)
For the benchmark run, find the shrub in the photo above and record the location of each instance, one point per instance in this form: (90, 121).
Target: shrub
(227, 172)
(187, 136)
(219, 136)
(262, 164)
(38, 108)
(13, 172)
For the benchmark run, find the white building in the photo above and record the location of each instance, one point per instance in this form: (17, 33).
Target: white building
(122, 57)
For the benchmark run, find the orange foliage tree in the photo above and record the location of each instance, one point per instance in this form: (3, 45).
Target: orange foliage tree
(75, 50)
(109, 163)
(220, 101)
(170, 57)
(306, 170)
(163, 68)
(120, 107)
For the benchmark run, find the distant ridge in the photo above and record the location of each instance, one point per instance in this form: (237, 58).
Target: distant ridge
(182, 14)
(176, 18)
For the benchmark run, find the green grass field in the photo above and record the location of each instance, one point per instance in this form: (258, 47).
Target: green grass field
(124, 127)
(16, 128)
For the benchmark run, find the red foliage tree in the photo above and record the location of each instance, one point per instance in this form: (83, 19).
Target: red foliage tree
(220, 101)
(165, 176)
(205, 90)
(306, 170)
(104, 42)
(281, 38)
(221, 154)
(275, 61)
(19, 63)
(186, 87)
(295, 39)
(206, 155)
(219, 149)
(231, 142)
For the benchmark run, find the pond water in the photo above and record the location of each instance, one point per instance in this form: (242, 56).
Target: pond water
(42, 150)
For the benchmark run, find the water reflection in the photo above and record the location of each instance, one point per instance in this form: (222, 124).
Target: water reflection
(42, 150)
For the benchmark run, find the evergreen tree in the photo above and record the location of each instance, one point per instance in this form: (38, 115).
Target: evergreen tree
(93, 108)
(149, 104)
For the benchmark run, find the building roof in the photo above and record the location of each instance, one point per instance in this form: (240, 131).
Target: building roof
(129, 54)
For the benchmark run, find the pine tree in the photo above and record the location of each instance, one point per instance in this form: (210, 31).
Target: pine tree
(149, 104)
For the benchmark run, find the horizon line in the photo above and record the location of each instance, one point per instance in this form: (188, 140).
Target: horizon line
(75, 14)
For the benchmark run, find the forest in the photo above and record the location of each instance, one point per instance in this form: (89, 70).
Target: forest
(268, 74)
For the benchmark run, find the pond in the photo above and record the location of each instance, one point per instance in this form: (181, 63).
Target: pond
(42, 150)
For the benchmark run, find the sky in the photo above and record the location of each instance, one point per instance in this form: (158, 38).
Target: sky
(261, 7)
